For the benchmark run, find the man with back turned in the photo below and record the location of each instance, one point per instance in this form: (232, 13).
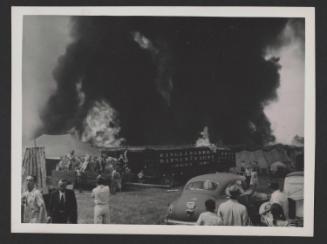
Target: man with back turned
(232, 212)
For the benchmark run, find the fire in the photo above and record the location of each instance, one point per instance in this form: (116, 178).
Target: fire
(204, 140)
(101, 126)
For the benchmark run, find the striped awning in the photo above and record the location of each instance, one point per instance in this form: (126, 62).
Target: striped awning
(34, 165)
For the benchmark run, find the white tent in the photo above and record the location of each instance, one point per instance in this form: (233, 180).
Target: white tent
(263, 157)
(57, 146)
(249, 157)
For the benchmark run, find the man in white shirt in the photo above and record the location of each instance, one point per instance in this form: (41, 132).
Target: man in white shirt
(279, 197)
(34, 210)
(231, 212)
(101, 196)
(209, 217)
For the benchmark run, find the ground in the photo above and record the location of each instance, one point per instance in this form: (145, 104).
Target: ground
(139, 205)
(133, 206)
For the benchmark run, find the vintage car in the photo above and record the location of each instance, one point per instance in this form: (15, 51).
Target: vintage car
(294, 189)
(186, 209)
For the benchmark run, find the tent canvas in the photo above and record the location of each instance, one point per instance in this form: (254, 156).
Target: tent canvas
(294, 186)
(274, 167)
(277, 154)
(34, 165)
(249, 157)
(264, 158)
(57, 146)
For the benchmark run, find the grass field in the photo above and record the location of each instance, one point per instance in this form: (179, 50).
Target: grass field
(140, 205)
(133, 206)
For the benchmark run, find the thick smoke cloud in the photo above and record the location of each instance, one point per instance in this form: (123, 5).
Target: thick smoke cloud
(168, 78)
(290, 48)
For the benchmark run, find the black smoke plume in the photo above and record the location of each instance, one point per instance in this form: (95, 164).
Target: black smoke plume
(168, 78)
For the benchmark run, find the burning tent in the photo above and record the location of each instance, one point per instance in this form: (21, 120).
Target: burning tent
(57, 146)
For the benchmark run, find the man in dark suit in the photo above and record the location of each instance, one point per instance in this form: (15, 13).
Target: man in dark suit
(63, 205)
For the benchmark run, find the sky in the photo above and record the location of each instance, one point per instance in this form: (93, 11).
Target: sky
(46, 39)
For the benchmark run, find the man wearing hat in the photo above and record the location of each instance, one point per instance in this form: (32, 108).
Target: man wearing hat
(33, 206)
(63, 205)
(232, 212)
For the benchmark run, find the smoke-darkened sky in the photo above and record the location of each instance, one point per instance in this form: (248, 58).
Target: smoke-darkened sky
(162, 80)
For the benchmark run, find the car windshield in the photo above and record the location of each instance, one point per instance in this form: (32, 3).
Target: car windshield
(202, 185)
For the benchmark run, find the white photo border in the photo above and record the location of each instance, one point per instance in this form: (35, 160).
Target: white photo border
(309, 131)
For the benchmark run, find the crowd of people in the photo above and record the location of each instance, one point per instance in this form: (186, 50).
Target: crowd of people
(234, 212)
(229, 213)
(97, 164)
(112, 169)
(62, 205)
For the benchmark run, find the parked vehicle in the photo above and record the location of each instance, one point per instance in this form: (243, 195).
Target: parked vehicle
(186, 209)
(293, 187)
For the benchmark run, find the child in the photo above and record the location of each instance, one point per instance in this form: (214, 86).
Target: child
(209, 217)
